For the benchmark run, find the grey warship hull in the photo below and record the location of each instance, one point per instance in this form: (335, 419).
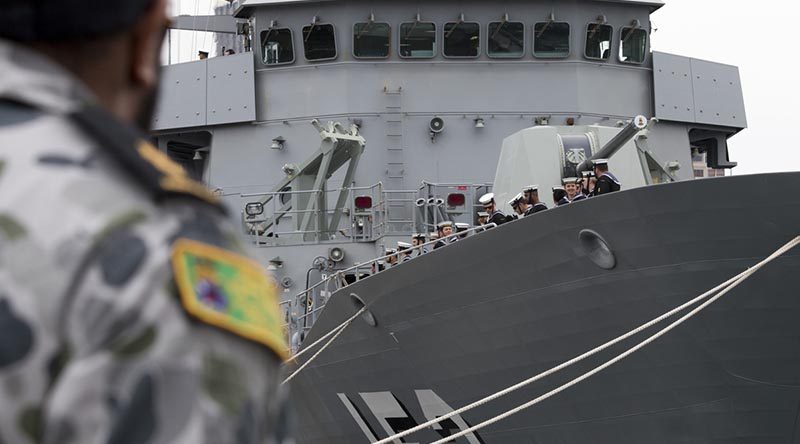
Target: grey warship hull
(488, 311)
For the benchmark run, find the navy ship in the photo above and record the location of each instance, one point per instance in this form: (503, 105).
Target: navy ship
(339, 128)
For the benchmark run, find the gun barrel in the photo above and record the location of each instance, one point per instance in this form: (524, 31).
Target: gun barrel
(625, 135)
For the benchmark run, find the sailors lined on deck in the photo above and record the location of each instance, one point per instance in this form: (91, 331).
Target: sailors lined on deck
(490, 206)
(445, 229)
(560, 196)
(588, 182)
(391, 259)
(606, 182)
(572, 186)
(404, 251)
(531, 196)
(418, 239)
(461, 227)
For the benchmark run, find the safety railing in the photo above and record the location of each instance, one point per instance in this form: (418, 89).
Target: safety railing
(302, 311)
(369, 213)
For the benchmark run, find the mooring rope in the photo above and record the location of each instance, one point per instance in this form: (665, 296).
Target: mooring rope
(339, 329)
(723, 288)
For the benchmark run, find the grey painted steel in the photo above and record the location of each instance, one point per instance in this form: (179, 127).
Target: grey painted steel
(474, 317)
(231, 90)
(718, 96)
(215, 91)
(209, 23)
(697, 91)
(182, 102)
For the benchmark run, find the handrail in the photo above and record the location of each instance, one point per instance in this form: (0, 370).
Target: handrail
(339, 274)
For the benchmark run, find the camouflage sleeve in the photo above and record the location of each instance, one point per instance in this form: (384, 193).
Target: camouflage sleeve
(136, 368)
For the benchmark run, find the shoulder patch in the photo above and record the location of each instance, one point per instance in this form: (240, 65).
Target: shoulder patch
(230, 292)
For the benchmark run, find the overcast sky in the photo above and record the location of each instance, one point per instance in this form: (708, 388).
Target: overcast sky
(758, 37)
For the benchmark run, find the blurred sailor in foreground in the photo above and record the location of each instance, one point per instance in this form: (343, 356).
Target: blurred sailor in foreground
(136, 315)
(606, 182)
(531, 194)
(560, 196)
(445, 229)
(490, 206)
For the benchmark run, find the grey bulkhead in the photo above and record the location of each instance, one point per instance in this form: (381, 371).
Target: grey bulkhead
(394, 100)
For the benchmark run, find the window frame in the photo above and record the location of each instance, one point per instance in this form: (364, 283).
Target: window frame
(610, 44)
(335, 43)
(389, 53)
(400, 40)
(646, 43)
(261, 45)
(479, 40)
(569, 40)
(524, 41)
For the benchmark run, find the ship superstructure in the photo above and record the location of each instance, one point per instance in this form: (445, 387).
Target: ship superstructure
(346, 126)
(433, 88)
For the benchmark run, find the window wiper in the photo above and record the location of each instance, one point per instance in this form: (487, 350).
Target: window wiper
(453, 29)
(499, 28)
(547, 25)
(313, 25)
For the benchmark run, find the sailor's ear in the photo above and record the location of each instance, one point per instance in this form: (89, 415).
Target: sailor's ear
(147, 36)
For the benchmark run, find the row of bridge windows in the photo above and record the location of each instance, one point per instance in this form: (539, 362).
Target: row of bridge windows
(418, 40)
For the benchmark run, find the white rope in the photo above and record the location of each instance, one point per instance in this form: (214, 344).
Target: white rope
(334, 330)
(744, 276)
(583, 356)
(338, 330)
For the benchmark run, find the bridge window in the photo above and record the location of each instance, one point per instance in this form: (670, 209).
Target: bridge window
(551, 40)
(632, 46)
(417, 40)
(598, 41)
(276, 46)
(462, 39)
(506, 40)
(371, 40)
(319, 42)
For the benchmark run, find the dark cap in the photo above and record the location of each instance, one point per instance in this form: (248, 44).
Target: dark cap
(63, 20)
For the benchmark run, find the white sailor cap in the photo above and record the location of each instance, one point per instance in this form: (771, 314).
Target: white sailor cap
(558, 188)
(486, 199)
(483, 214)
(390, 251)
(586, 173)
(434, 235)
(418, 236)
(403, 246)
(446, 223)
(530, 188)
(462, 226)
(596, 162)
(567, 180)
(513, 202)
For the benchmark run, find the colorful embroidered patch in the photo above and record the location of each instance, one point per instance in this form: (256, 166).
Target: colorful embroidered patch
(228, 291)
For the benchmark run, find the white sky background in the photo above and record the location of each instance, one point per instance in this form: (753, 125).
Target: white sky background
(759, 38)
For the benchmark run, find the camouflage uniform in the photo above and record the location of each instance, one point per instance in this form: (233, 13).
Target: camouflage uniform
(95, 344)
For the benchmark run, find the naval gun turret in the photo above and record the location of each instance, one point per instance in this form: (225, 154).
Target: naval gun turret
(548, 154)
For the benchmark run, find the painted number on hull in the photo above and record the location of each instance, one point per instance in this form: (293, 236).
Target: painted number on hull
(393, 416)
